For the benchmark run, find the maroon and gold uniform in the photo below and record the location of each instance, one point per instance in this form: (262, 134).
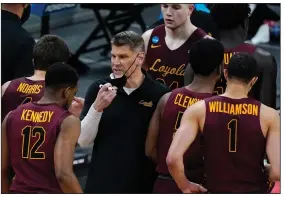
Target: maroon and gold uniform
(20, 91)
(234, 146)
(32, 131)
(165, 65)
(177, 103)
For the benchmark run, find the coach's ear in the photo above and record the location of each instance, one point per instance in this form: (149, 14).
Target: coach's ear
(226, 74)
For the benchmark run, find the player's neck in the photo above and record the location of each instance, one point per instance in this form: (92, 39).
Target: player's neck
(136, 79)
(49, 98)
(201, 85)
(232, 38)
(39, 75)
(182, 32)
(236, 90)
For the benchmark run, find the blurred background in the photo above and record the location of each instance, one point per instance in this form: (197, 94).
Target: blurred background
(85, 26)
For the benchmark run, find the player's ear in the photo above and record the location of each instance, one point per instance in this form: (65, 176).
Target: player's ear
(190, 8)
(253, 81)
(226, 74)
(66, 92)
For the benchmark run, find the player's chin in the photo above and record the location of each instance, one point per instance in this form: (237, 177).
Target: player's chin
(170, 25)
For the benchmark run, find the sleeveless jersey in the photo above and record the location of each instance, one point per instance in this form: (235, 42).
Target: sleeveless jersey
(165, 65)
(177, 103)
(32, 131)
(20, 91)
(234, 146)
(245, 48)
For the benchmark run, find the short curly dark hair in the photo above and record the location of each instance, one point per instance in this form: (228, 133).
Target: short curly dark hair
(206, 56)
(243, 67)
(230, 15)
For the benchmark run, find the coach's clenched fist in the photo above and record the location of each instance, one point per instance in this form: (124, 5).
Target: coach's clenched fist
(105, 96)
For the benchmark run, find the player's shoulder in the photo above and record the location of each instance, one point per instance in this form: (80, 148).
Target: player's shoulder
(261, 52)
(157, 29)
(71, 118)
(268, 113)
(146, 37)
(69, 121)
(147, 33)
(265, 59)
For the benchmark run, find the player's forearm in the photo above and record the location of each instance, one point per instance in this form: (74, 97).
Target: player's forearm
(69, 184)
(152, 153)
(89, 127)
(176, 169)
(5, 184)
(273, 175)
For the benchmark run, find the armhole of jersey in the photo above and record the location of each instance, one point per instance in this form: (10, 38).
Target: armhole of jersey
(206, 114)
(150, 38)
(166, 104)
(158, 29)
(258, 119)
(63, 116)
(8, 122)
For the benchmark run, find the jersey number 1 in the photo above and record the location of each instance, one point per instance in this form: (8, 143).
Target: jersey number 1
(233, 128)
(32, 153)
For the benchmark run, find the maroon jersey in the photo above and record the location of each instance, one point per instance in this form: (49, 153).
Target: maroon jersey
(245, 48)
(32, 131)
(234, 146)
(20, 91)
(177, 103)
(165, 65)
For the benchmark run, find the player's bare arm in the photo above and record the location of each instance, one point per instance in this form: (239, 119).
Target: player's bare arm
(270, 121)
(146, 37)
(5, 183)
(64, 155)
(185, 135)
(4, 87)
(268, 66)
(188, 75)
(153, 130)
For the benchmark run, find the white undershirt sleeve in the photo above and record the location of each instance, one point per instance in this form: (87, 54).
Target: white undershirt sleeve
(89, 127)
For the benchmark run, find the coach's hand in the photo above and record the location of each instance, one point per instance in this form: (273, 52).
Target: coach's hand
(105, 96)
(77, 106)
(193, 188)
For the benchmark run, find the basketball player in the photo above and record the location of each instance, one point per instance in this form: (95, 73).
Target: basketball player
(168, 45)
(232, 21)
(48, 50)
(237, 132)
(205, 57)
(39, 138)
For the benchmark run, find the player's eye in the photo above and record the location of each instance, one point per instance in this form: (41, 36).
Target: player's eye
(176, 7)
(164, 5)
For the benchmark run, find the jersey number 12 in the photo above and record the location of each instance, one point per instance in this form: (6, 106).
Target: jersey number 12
(27, 133)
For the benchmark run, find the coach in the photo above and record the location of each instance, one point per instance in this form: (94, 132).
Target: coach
(116, 120)
(16, 43)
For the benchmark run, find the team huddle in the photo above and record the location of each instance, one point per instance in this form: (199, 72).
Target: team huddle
(208, 129)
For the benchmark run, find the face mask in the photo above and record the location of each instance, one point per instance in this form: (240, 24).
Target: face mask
(26, 14)
(120, 82)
